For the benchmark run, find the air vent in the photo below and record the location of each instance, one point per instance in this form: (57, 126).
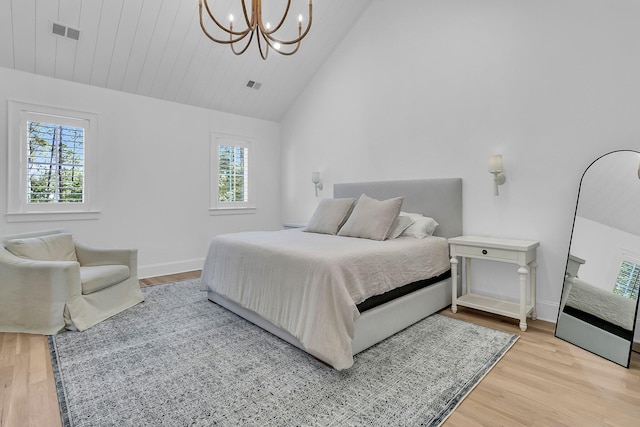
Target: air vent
(253, 85)
(64, 31)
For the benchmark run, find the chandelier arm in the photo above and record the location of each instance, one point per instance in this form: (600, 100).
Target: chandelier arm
(300, 35)
(264, 53)
(222, 27)
(277, 27)
(237, 39)
(243, 50)
(250, 25)
(270, 43)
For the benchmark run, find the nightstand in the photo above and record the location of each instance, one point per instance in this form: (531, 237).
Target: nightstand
(519, 252)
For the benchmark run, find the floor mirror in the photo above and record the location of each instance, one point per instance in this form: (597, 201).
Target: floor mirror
(599, 302)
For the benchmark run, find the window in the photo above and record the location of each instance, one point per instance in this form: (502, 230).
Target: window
(55, 163)
(628, 280)
(231, 183)
(52, 166)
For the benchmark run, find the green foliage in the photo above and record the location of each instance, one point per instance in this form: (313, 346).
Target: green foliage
(55, 163)
(232, 185)
(628, 280)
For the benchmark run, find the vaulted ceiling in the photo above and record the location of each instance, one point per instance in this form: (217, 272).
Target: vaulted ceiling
(156, 48)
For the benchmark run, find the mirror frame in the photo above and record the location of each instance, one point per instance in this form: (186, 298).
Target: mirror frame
(562, 296)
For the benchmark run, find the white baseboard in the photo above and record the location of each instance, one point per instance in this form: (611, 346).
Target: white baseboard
(153, 270)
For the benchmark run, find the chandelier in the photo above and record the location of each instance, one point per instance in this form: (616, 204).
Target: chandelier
(264, 33)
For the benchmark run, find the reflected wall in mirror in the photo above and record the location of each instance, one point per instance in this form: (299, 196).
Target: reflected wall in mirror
(599, 302)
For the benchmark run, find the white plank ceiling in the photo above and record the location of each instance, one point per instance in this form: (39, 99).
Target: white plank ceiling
(156, 48)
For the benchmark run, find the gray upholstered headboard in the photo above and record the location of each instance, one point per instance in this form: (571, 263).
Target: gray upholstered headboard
(440, 199)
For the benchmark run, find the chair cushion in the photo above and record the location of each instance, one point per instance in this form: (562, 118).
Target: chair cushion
(54, 247)
(98, 277)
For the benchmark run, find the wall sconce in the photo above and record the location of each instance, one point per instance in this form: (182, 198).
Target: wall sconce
(495, 167)
(315, 178)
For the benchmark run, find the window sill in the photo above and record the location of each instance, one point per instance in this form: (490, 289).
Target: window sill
(232, 211)
(51, 216)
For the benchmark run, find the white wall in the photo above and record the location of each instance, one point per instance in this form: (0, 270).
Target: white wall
(432, 88)
(154, 172)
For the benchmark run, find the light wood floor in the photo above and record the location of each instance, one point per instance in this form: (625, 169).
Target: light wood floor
(541, 381)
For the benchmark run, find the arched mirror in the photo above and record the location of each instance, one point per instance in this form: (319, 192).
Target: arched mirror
(599, 302)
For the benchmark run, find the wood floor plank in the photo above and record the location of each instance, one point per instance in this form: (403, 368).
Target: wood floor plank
(541, 381)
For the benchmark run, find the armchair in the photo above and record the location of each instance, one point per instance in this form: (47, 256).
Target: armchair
(48, 283)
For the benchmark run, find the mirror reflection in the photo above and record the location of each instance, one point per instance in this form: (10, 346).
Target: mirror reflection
(599, 303)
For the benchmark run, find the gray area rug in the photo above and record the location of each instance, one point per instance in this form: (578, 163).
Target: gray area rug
(179, 360)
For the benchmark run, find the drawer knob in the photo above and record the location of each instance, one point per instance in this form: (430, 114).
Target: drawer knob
(484, 252)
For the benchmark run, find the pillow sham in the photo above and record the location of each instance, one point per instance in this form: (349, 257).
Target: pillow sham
(399, 225)
(423, 226)
(371, 218)
(54, 247)
(330, 215)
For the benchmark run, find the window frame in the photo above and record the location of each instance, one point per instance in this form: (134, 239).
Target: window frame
(18, 207)
(218, 207)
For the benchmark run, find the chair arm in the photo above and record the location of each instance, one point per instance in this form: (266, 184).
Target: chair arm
(20, 276)
(88, 255)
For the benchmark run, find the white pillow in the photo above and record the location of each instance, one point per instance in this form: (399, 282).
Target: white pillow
(330, 215)
(54, 247)
(371, 218)
(422, 227)
(399, 225)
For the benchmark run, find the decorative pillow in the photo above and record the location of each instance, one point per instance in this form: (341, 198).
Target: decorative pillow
(371, 218)
(422, 227)
(54, 247)
(330, 215)
(399, 225)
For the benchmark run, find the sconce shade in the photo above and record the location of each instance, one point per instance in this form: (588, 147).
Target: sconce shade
(315, 177)
(495, 163)
(495, 167)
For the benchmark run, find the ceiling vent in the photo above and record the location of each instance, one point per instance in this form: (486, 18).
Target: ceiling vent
(253, 85)
(64, 31)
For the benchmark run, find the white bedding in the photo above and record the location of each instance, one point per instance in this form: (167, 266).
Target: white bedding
(601, 303)
(309, 284)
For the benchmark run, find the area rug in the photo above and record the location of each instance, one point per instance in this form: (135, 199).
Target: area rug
(180, 360)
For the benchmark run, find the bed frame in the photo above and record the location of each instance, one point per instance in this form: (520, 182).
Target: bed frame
(440, 199)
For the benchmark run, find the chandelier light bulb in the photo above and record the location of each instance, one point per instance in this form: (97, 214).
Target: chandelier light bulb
(230, 17)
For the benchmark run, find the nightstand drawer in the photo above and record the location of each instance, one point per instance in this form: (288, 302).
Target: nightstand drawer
(479, 252)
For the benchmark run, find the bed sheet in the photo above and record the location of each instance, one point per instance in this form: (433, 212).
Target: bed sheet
(309, 284)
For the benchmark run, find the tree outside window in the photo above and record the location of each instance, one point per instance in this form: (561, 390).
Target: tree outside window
(233, 164)
(55, 163)
(628, 280)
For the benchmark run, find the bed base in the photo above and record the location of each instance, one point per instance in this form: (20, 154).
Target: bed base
(373, 325)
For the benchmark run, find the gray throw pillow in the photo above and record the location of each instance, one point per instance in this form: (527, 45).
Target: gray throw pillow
(330, 215)
(371, 218)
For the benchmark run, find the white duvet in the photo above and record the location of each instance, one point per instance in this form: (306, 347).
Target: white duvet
(309, 284)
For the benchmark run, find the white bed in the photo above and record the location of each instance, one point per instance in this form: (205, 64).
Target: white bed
(305, 288)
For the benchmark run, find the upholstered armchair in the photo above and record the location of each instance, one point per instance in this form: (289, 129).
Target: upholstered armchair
(49, 282)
